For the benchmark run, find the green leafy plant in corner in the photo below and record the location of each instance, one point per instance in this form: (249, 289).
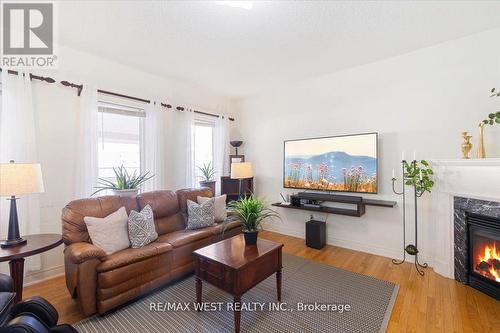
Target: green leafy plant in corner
(123, 180)
(412, 175)
(493, 118)
(251, 212)
(207, 172)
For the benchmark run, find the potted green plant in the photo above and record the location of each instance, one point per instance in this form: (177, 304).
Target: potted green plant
(494, 117)
(207, 176)
(125, 185)
(251, 212)
(419, 174)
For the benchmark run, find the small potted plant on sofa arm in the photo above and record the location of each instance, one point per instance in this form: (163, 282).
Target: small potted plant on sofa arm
(207, 176)
(251, 212)
(125, 185)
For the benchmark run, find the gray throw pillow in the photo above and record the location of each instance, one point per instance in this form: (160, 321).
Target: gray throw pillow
(200, 215)
(141, 227)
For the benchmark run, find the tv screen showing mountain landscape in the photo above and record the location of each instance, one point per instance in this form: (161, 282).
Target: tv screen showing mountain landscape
(342, 163)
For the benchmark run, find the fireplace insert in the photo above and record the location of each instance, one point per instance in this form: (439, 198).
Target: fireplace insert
(484, 253)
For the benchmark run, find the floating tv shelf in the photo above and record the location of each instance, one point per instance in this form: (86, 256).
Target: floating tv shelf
(359, 203)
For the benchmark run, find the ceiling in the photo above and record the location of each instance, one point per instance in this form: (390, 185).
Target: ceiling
(237, 52)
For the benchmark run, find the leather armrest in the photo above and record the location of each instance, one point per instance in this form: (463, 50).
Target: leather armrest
(25, 324)
(39, 308)
(80, 266)
(81, 252)
(6, 283)
(64, 328)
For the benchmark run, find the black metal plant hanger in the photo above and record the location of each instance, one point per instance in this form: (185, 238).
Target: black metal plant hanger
(410, 249)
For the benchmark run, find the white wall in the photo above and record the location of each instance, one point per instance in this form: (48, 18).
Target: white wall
(419, 101)
(57, 107)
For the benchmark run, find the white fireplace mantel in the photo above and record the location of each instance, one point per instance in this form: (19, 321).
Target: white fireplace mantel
(485, 162)
(474, 178)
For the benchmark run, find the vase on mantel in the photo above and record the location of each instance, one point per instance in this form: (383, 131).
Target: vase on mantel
(481, 152)
(466, 145)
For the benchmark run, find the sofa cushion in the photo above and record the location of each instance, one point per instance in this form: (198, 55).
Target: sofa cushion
(219, 227)
(130, 256)
(121, 280)
(121, 285)
(141, 227)
(165, 208)
(74, 228)
(183, 237)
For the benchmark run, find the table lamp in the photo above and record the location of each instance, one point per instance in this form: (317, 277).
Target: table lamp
(241, 171)
(18, 179)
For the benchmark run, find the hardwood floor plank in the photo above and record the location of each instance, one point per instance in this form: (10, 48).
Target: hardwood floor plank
(425, 304)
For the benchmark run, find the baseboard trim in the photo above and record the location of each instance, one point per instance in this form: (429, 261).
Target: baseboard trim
(356, 246)
(43, 275)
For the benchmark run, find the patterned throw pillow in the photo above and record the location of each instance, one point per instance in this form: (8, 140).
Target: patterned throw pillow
(200, 215)
(141, 227)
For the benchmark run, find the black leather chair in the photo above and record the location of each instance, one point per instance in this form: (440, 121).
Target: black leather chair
(32, 315)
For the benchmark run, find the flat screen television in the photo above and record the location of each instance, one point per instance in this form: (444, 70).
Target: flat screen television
(346, 163)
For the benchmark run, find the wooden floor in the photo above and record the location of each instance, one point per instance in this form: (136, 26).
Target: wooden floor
(425, 304)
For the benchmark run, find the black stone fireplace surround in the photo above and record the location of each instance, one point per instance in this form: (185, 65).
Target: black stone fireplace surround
(479, 213)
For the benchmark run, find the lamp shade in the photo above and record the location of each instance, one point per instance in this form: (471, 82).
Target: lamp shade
(241, 170)
(20, 178)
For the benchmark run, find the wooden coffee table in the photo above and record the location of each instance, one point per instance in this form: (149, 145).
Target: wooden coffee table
(236, 268)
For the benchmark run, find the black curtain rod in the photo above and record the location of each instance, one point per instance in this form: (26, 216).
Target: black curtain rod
(79, 88)
(33, 76)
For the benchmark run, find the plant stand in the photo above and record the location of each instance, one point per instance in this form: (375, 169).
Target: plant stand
(410, 248)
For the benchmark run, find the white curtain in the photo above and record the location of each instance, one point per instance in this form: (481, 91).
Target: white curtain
(186, 132)
(154, 145)
(86, 164)
(221, 149)
(180, 150)
(18, 141)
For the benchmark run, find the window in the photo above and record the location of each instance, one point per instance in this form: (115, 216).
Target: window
(203, 146)
(119, 140)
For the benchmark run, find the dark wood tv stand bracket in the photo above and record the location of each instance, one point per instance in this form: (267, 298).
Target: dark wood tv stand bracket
(359, 202)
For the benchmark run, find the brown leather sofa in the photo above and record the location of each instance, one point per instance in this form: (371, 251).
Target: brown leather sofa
(100, 282)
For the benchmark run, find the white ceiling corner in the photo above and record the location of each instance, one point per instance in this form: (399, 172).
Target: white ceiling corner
(237, 52)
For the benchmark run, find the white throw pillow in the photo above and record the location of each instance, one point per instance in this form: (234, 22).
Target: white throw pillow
(109, 233)
(220, 206)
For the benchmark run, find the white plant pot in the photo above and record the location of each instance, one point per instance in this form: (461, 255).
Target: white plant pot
(126, 193)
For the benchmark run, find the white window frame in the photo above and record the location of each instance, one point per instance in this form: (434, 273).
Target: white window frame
(201, 120)
(112, 105)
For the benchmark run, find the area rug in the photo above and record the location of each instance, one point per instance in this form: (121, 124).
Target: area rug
(315, 298)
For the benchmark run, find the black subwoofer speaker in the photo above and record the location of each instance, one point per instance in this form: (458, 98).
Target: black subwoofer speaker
(315, 234)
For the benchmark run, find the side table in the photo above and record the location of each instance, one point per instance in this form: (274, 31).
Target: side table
(15, 256)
